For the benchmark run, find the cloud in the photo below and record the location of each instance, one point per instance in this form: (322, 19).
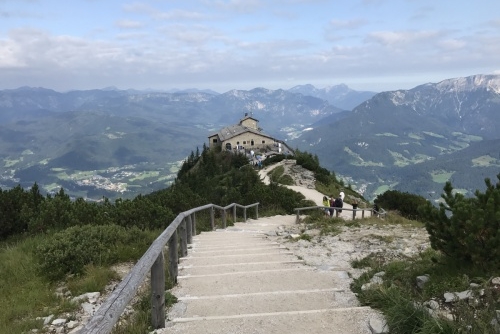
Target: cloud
(129, 24)
(347, 24)
(179, 14)
(422, 13)
(452, 44)
(239, 6)
(401, 38)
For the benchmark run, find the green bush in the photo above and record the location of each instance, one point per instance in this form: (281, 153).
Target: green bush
(69, 251)
(467, 229)
(407, 204)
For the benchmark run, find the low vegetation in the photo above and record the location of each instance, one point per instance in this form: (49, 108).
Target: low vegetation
(53, 241)
(464, 236)
(406, 204)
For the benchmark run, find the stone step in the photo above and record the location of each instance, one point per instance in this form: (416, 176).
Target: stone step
(257, 249)
(238, 258)
(259, 281)
(202, 246)
(185, 270)
(264, 302)
(353, 320)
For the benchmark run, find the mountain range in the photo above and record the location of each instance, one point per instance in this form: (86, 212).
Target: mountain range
(415, 140)
(120, 143)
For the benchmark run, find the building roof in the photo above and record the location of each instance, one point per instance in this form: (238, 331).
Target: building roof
(229, 132)
(248, 117)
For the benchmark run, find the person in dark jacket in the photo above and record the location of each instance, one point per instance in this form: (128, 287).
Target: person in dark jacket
(339, 203)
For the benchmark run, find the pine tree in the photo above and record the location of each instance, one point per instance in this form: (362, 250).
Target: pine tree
(467, 229)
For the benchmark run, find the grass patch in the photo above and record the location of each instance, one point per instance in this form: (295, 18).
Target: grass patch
(402, 302)
(441, 176)
(140, 320)
(386, 134)
(144, 175)
(384, 238)
(25, 293)
(485, 161)
(358, 161)
(432, 134)
(95, 278)
(415, 136)
(278, 175)
(381, 189)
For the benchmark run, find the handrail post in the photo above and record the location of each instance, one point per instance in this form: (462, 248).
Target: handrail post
(257, 211)
(183, 238)
(353, 214)
(363, 213)
(173, 259)
(189, 230)
(245, 214)
(234, 213)
(297, 219)
(193, 222)
(223, 218)
(158, 293)
(212, 220)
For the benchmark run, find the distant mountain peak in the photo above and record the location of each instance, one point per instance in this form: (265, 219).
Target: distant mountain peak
(338, 95)
(490, 82)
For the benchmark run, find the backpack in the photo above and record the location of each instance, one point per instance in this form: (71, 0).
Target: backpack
(339, 203)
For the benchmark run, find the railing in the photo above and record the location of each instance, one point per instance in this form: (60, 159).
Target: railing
(381, 213)
(179, 232)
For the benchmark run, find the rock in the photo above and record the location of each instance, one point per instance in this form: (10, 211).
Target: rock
(59, 322)
(89, 308)
(474, 285)
(46, 320)
(378, 326)
(432, 304)
(76, 330)
(496, 281)
(72, 324)
(455, 296)
(91, 297)
(294, 236)
(379, 274)
(376, 280)
(421, 280)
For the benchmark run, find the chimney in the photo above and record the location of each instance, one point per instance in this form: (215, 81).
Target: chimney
(246, 114)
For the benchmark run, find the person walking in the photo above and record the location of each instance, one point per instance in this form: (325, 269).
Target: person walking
(326, 202)
(332, 205)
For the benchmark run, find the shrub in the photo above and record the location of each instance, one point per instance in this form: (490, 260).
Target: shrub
(467, 229)
(407, 204)
(69, 251)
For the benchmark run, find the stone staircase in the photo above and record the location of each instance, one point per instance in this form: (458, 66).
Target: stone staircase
(238, 281)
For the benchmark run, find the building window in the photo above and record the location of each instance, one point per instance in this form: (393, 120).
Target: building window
(244, 142)
(252, 143)
(214, 140)
(263, 142)
(237, 143)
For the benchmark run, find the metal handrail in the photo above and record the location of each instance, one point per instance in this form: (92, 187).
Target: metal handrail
(180, 231)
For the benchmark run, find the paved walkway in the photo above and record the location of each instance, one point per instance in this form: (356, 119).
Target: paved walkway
(238, 281)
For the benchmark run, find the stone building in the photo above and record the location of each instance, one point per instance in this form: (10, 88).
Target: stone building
(244, 135)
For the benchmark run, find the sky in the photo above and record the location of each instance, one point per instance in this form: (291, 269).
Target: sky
(369, 45)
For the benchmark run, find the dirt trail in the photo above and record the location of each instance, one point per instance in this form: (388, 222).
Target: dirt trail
(304, 184)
